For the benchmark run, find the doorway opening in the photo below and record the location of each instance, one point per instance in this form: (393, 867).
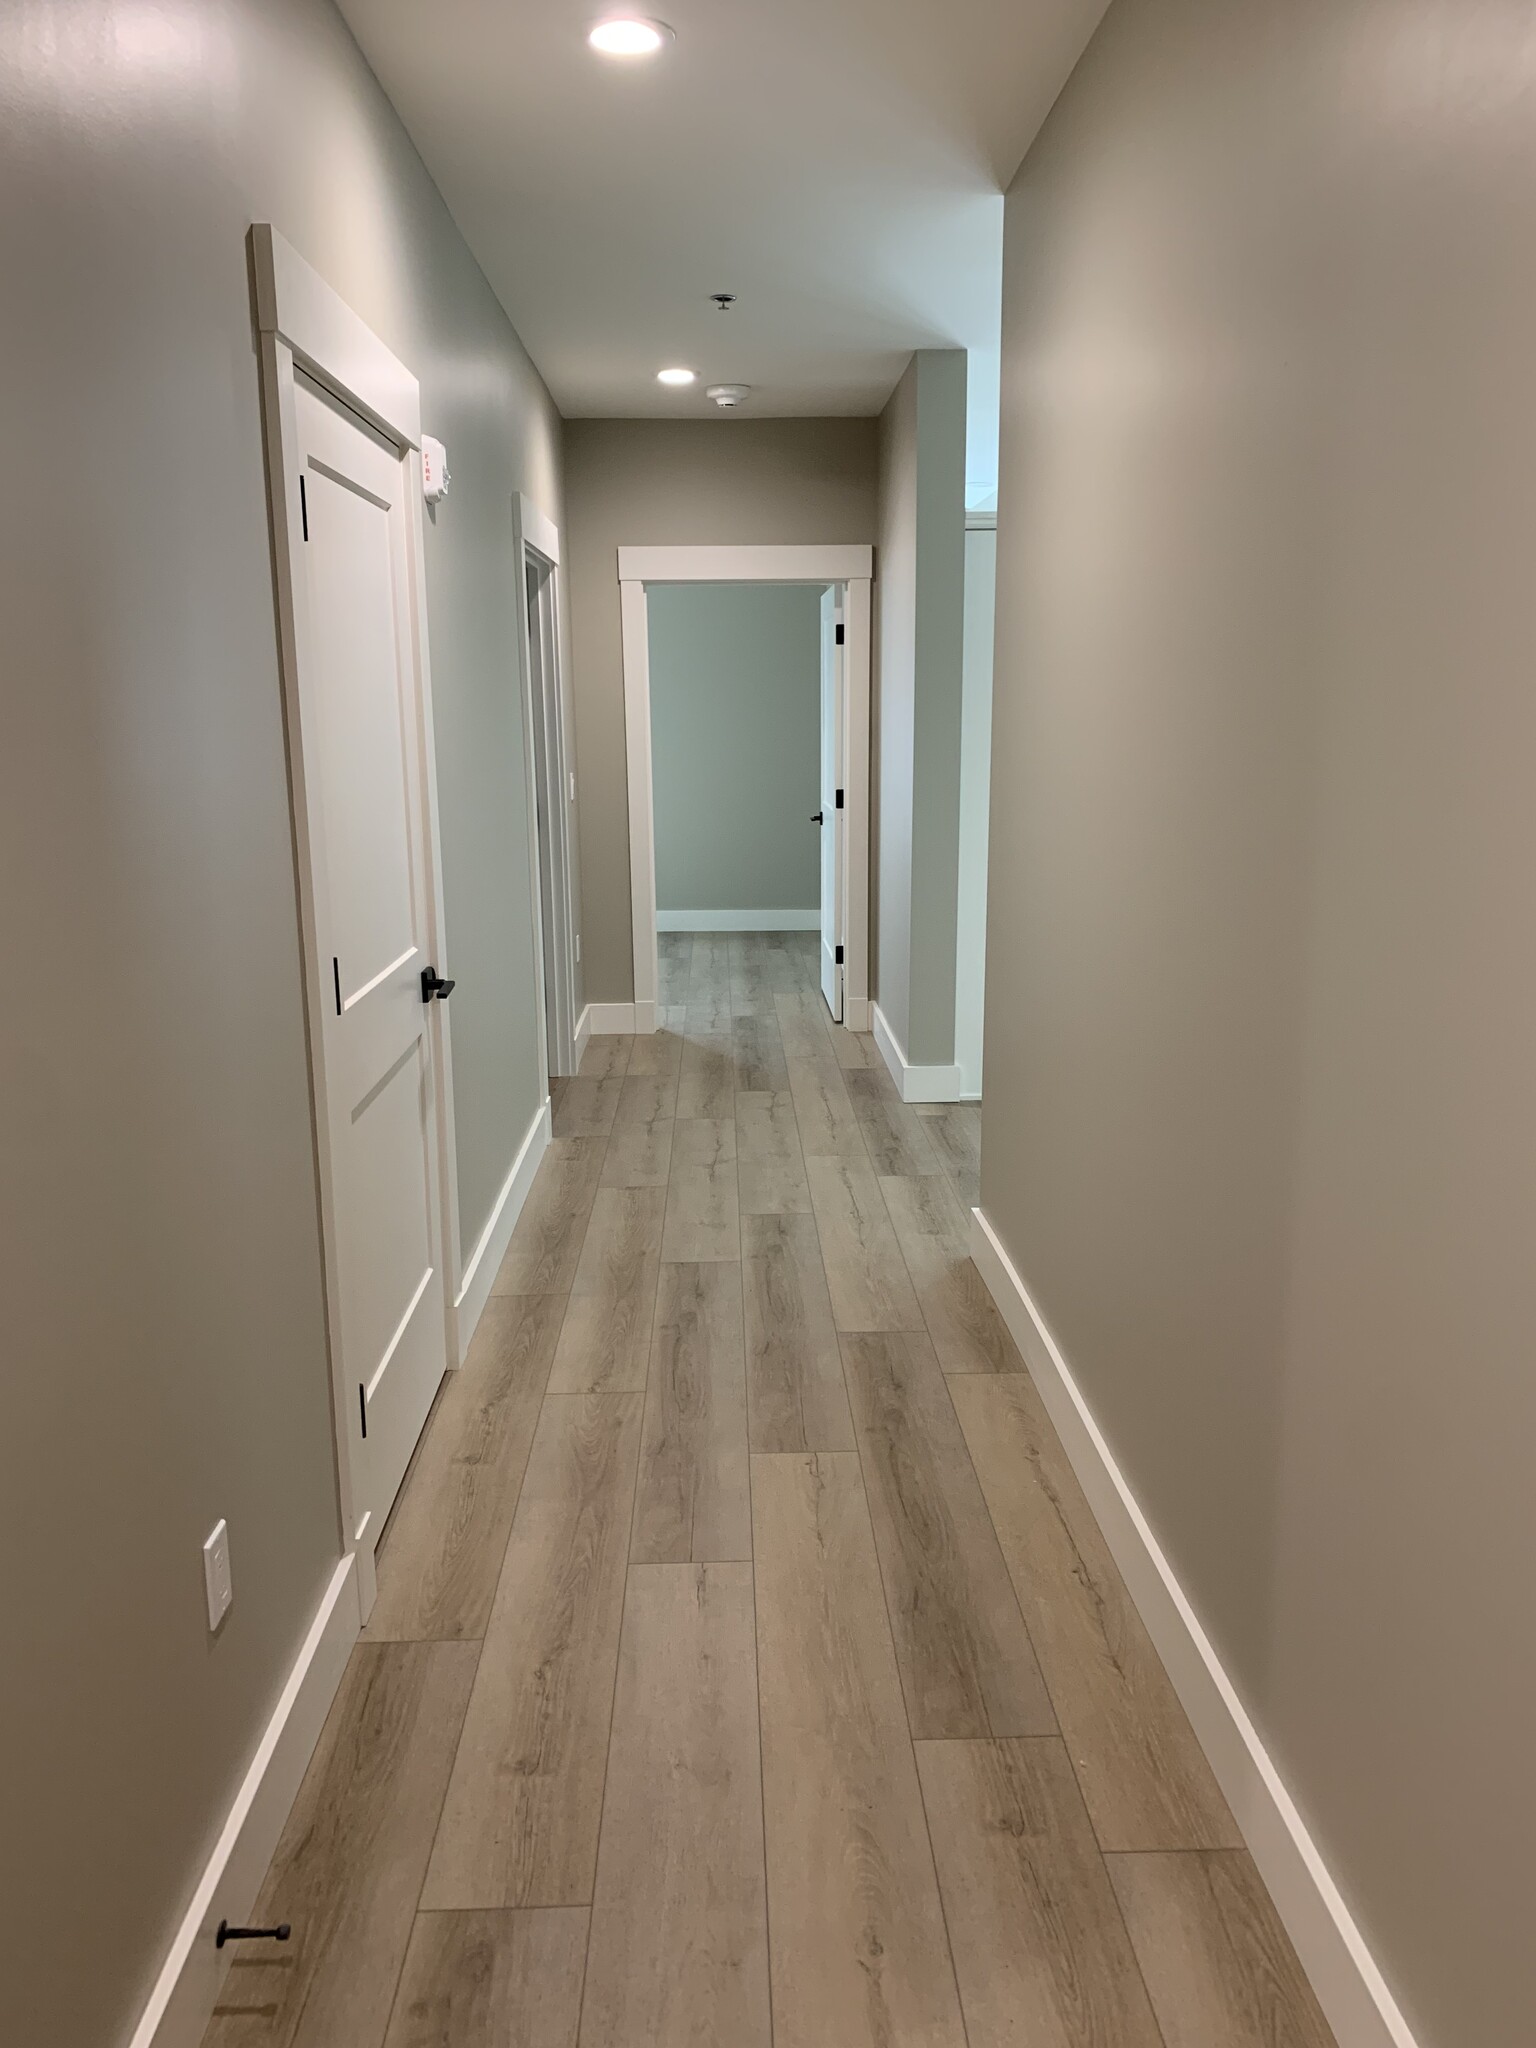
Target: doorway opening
(745, 775)
(747, 728)
(552, 787)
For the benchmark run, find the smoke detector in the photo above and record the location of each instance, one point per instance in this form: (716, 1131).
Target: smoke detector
(726, 396)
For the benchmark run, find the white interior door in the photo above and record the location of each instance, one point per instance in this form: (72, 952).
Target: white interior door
(833, 816)
(365, 767)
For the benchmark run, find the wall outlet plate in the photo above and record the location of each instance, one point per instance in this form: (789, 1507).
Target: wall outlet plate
(216, 1580)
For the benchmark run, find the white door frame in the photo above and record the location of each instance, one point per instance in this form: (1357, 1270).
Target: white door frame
(537, 543)
(851, 566)
(302, 323)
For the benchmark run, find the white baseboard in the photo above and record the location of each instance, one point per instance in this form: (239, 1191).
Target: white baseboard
(739, 920)
(484, 1262)
(187, 1988)
(611, 1018)
(583, 1034)
(1350, 1987)
(856, 1011)
(917, 1084)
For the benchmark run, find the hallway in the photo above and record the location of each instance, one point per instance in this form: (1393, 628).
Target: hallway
(747, 1666)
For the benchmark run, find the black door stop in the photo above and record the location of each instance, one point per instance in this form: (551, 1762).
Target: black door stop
(228, 1933)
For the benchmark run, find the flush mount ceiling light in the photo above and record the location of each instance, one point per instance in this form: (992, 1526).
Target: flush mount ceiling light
(677, 376)
(629, 35)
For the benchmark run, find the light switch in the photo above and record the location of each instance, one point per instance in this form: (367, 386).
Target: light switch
(216, 1579)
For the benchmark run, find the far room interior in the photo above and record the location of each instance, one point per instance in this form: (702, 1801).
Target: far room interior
(745, 697)
(735, 718)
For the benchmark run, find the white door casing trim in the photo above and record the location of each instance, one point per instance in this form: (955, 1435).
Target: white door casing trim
(327, 338)
(302, 323)
(815, 564)
(1350, 1986)
(916, 1084)
(635, 632)
(538, 530)
(537, 538)
(850, 565)
(484, 1262)
(187, 1989)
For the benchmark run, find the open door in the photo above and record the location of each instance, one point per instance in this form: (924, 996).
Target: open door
(831, 816)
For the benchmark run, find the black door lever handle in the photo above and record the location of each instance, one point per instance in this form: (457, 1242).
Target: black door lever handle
(817, 817)
(433, 986)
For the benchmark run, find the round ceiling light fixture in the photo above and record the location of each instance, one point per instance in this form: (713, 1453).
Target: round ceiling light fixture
(629, 35)
(677, 376)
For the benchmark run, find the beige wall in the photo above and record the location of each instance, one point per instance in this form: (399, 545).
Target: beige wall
(1260, 1128)
(164, 1360)
(666, 483)
(919, 636)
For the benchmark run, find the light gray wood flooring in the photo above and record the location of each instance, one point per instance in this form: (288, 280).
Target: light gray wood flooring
(747, 1668)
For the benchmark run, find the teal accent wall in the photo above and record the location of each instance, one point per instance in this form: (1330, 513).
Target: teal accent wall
(735, 740)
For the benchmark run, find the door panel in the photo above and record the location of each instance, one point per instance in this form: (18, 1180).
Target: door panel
(364, 761)
(363, 748)
(389, 1271)
(386, 1243)
(832, 816)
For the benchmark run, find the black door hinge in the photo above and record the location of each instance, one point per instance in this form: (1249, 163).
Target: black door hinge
(839, 632)
(839, 956)
(303, 508)
(839, 799)
(362, 1405)
(336, 979)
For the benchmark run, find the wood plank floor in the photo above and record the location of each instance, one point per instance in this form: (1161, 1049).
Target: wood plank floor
(747, 1667)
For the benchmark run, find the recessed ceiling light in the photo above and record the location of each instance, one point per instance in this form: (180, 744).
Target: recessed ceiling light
(629, 35)
(677, 376)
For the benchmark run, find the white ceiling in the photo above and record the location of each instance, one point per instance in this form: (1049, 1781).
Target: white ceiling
(837, 163)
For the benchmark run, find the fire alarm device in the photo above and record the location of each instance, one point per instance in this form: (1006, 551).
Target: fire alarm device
(434, 470)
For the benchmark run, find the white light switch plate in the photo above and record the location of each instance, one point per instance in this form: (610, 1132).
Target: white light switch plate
(216, 1577)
